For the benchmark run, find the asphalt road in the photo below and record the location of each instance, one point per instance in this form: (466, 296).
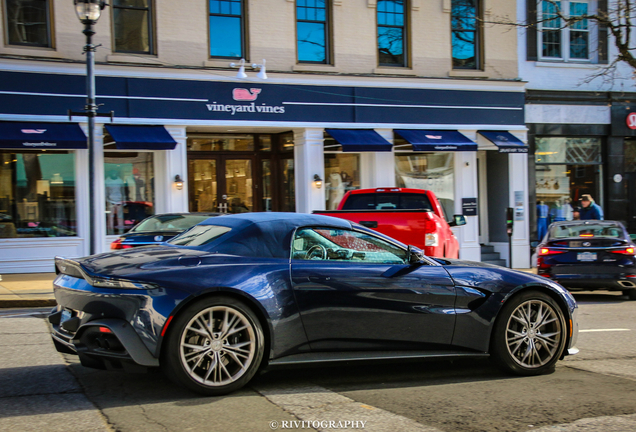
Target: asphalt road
(593, 391)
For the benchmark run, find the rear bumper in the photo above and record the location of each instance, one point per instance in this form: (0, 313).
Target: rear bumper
(610, 282)
(110, 328)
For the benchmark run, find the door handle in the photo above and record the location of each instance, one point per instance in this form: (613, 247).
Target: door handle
(369, 224)
(319, 278)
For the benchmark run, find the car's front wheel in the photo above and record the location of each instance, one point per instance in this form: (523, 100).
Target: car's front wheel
(214, 347)
(530, 334)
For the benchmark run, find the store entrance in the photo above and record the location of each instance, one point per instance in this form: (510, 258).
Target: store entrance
(221, 184)
(238, 173)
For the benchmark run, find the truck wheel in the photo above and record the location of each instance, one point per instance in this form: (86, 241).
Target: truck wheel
(214, 347)
(529, 335)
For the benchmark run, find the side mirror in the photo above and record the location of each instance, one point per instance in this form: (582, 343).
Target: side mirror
(414, 256)
(458, 220)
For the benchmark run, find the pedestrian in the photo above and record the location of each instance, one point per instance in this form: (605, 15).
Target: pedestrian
(590, 210)
(576, 213)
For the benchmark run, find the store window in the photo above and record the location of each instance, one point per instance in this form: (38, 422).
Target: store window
(227, 22)
(28, 22)
(431, 171)
(37, 194)
(312, 31)
(342, 174)
(566, 168)
(129, 189)
(465, 34)
(132, 22)
(392, 32)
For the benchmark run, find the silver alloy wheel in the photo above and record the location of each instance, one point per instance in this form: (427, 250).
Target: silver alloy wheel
(533, 334)
(217, 346)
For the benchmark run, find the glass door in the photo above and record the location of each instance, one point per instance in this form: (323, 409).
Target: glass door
(221, 184)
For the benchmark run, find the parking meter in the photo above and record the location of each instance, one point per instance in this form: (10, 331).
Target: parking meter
(510, 220)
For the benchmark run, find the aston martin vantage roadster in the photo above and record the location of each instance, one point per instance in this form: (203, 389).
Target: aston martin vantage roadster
(240, 293)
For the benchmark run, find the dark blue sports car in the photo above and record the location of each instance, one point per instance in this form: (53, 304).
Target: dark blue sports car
(242, 292)
(589, 255)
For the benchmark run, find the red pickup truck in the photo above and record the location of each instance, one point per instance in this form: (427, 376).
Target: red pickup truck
(412, 216)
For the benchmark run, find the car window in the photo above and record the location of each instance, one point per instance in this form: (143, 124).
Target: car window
(329, 244)
(586, 230)
(169, 223)
(199, 235)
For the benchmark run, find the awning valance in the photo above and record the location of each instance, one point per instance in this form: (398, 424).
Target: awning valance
(38, 135)
(436, 140)
(135, 137)
(507, 142)
(360, 140)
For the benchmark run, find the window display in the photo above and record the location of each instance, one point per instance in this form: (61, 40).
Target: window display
(431, 171)
(566, 168)
(342, 174)
(129, 189)
(37, 194)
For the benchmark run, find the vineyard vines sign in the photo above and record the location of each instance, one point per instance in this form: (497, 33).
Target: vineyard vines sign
(245, 95)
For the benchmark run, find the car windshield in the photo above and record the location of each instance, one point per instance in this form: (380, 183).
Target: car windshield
(587, 230)
(169, 222)
(199, 235)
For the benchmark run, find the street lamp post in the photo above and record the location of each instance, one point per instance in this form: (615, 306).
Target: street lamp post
(88, 12)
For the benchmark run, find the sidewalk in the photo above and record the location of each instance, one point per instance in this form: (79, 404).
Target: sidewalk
(36, 289)
(27, 290)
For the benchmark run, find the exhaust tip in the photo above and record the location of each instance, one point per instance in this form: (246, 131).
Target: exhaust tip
(627, 284)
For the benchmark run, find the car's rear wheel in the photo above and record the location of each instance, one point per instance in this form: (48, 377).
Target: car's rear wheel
(530, 334)
(214, 347)
(630, 293)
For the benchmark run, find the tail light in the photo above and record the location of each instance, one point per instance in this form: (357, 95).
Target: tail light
(118, 245)
(548, 251)
(626, 251)
(431, 239)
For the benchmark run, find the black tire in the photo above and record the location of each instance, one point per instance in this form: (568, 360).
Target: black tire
(213, 353)
(630, 293)
(529, 346)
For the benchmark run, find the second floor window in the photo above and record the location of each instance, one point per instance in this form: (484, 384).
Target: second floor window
(557, 41)
(28, 22)
(227, 28)
(312, 31)
(465, 34)
(391, 33)
(132, 22)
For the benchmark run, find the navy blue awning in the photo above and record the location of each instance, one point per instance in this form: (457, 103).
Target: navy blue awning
(360, 140)
(507, 142)
(36, 135)
(436, 140)
(133, 137)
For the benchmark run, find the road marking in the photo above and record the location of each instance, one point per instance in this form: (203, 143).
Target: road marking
(318, 406)
(603, 330)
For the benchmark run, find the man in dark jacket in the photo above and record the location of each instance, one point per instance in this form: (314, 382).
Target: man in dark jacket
(590, 210)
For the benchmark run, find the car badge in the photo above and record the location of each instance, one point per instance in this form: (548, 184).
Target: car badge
(587, 244)
(158, 238)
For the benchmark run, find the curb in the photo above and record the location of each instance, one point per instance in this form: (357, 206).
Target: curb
(5, 304)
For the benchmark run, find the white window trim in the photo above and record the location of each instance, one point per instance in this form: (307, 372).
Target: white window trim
(565, 36)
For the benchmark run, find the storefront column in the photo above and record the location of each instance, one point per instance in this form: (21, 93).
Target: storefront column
(466, 187)
(171, 163)
(518, 180)
(378, 168)
(309, 160)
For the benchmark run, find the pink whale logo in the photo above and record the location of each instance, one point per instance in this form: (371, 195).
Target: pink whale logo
(241, 94)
